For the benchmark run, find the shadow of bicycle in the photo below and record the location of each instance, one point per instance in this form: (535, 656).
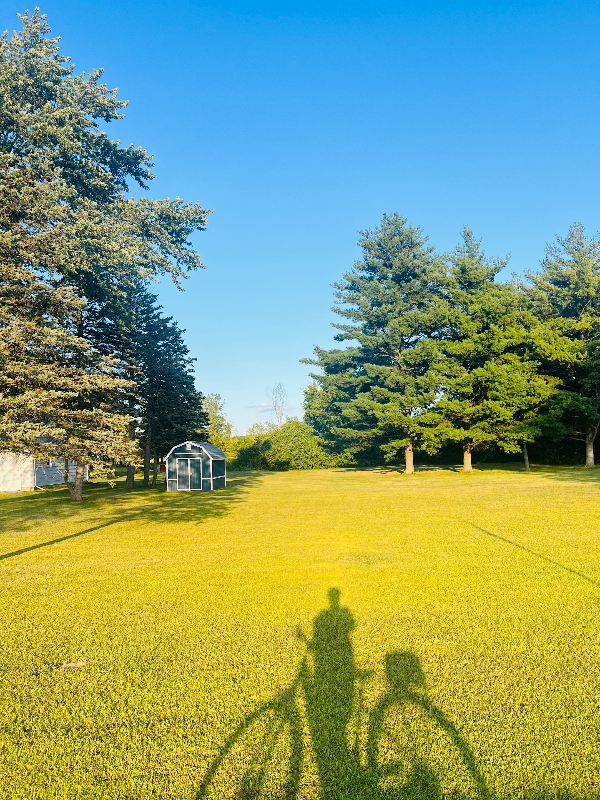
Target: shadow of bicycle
(316, 738)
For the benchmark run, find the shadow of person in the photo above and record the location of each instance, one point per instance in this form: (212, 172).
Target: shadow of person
(394, 756)
(330, 693)
(409, 750)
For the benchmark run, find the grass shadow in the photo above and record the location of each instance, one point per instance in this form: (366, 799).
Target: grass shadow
(105, 506)
(570, 474)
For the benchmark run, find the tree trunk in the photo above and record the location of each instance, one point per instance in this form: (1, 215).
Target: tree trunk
(409, 459)
(467, 465)
(155, 469)
(130, 479)
(590, 435)
(76, 489)
(147, 455)
(525, 456)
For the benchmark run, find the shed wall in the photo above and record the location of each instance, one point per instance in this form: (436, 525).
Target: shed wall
(16, 472)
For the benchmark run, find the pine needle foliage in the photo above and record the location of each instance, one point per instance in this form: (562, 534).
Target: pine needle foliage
(73, 245)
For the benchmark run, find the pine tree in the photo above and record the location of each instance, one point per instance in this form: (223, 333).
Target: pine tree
(68, 225)
(171, 408)
(379, 395)
(162, 401)
(492, 386)
(565, 296)
(57, 392)
(64, 209)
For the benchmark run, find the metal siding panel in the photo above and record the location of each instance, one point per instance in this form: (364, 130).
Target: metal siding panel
(49, 474)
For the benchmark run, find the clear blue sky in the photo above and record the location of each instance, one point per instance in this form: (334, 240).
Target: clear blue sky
(301, 123)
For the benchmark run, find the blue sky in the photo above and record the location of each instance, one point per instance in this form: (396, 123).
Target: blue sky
(302, 123)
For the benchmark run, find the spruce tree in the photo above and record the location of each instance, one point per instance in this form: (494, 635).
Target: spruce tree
(171, 408)
(58, 393)
(565, 296)
(379, 395)
(491, 385)
(67, 224)
(161, 400)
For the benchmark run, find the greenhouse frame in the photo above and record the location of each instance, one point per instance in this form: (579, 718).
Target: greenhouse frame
(196, 467)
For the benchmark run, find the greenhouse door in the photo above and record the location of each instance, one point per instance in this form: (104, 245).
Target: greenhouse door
(183, 474)
(189, 474)
(195, 474)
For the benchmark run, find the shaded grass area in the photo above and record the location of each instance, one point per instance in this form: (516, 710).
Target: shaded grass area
(460, 660)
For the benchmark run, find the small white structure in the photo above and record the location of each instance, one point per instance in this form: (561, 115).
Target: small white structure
(21, 473)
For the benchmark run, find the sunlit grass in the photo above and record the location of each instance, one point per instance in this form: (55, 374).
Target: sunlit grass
(184, 610)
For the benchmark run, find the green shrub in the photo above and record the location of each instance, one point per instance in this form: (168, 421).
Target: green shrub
(293, 446)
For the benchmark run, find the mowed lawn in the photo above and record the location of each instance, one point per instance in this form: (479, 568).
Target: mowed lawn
(479, 592)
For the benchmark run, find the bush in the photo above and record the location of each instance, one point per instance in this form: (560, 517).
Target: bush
(293, 446)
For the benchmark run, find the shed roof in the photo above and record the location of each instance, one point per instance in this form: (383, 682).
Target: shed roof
(213, 451)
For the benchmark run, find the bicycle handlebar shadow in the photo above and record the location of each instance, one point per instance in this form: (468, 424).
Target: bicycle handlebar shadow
(330, 692)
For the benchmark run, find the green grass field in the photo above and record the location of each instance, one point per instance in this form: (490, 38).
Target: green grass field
(466, 665)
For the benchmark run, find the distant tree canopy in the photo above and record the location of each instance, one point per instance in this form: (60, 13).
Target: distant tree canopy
(76, 251)
(219, 430)
(440, 351)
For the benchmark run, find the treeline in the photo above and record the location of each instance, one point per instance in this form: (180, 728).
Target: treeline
(90, 369)
(439, 352)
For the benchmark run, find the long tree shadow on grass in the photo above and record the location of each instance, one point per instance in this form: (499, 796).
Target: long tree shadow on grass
(573, 474)
(105, 507)
(405, 748)
(537, 555)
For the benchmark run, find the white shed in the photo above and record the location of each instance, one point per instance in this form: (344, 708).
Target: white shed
(21, 473)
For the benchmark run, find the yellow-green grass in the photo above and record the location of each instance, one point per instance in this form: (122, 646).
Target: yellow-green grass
(185, 609)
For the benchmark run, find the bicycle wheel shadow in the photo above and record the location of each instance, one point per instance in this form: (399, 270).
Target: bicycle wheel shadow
(400, 749)
(405, 715)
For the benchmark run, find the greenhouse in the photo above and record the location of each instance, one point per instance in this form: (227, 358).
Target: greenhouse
(195, 467)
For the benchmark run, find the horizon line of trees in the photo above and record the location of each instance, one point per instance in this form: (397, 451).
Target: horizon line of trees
(90, 369)
(439, 351)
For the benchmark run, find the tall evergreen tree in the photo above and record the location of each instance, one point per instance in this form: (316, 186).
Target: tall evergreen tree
(64, 209)
(565, 295)
(66, 220)
(492, 385)
(380, 394)
(171, 408)
(162, 401)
